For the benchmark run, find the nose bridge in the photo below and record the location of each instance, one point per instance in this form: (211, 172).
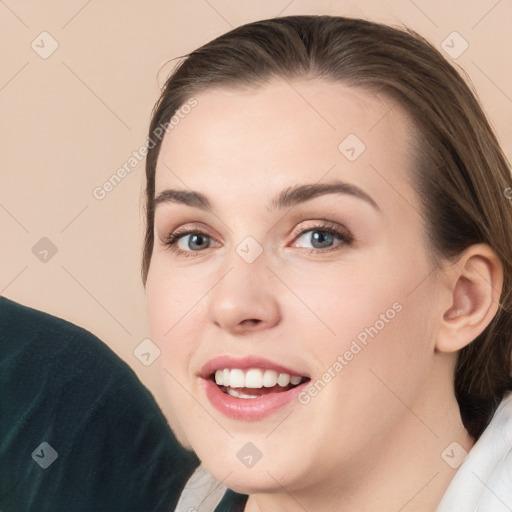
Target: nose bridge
(247, 262)
(245, 294)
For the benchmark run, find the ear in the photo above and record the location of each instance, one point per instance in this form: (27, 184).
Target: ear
(474, 285)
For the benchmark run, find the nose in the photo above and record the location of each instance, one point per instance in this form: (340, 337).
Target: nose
(245, 299)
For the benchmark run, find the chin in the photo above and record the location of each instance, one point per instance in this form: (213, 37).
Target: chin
(250, 480)
(258, 466)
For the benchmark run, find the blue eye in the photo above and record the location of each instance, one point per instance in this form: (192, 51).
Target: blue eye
(318, 239)
(195, 242)
(324, 238)
(188, 241)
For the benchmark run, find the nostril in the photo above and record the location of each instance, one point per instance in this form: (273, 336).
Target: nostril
(250, 321)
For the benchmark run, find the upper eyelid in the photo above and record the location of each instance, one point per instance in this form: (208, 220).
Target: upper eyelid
(198, 227)
(320, 224)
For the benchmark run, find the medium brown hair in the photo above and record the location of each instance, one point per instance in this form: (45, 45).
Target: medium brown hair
(461, 172)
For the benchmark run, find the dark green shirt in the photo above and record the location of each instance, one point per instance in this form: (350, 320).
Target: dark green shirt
(78, 430)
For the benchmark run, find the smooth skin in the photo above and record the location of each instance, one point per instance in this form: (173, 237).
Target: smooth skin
(373, 438)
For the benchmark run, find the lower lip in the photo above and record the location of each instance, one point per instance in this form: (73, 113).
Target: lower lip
(249, 408)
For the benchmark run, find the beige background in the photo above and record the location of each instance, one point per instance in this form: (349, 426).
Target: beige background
(70, 120)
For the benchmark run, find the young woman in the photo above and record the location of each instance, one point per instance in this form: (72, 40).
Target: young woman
(328, 271)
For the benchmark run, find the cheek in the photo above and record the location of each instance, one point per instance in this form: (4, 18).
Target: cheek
(173, 294)
(174, 307)
(351, 298)
(371, 316)
(387, 348)
(373, 365)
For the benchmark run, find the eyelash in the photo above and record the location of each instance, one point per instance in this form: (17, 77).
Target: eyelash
(344, 235)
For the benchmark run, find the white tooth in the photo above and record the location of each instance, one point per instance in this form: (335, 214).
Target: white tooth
(239, 394)
(269, 378)
(218, 377)
(236, 378)
(254, 378)
(233, 392)
(283, 379)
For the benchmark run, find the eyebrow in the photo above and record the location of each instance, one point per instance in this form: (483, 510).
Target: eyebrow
(286, 198)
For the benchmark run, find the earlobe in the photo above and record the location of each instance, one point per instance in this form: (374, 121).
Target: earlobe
(474, 286)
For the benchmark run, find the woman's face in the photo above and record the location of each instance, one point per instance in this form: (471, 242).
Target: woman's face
(289, 247)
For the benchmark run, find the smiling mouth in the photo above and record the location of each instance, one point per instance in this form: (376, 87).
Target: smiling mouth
(254, 382)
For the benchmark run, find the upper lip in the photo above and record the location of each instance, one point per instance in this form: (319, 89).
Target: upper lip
(243, 363)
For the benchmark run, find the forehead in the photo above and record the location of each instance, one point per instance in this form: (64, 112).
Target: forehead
(288, 132)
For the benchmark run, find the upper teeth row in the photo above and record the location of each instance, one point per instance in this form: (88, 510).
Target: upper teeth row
(254, 378)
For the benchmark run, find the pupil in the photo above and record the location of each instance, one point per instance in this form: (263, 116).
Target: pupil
(195, 242)
(321, 238)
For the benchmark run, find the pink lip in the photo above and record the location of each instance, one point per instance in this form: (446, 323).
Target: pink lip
(247, 409)
(221, 362)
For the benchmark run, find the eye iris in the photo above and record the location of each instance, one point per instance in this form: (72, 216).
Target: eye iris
(321, 239)
(194, 242)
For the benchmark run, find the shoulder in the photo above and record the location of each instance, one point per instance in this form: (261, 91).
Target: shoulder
(484, 480)
(50, 366)
(64, 388)
(24, 329)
